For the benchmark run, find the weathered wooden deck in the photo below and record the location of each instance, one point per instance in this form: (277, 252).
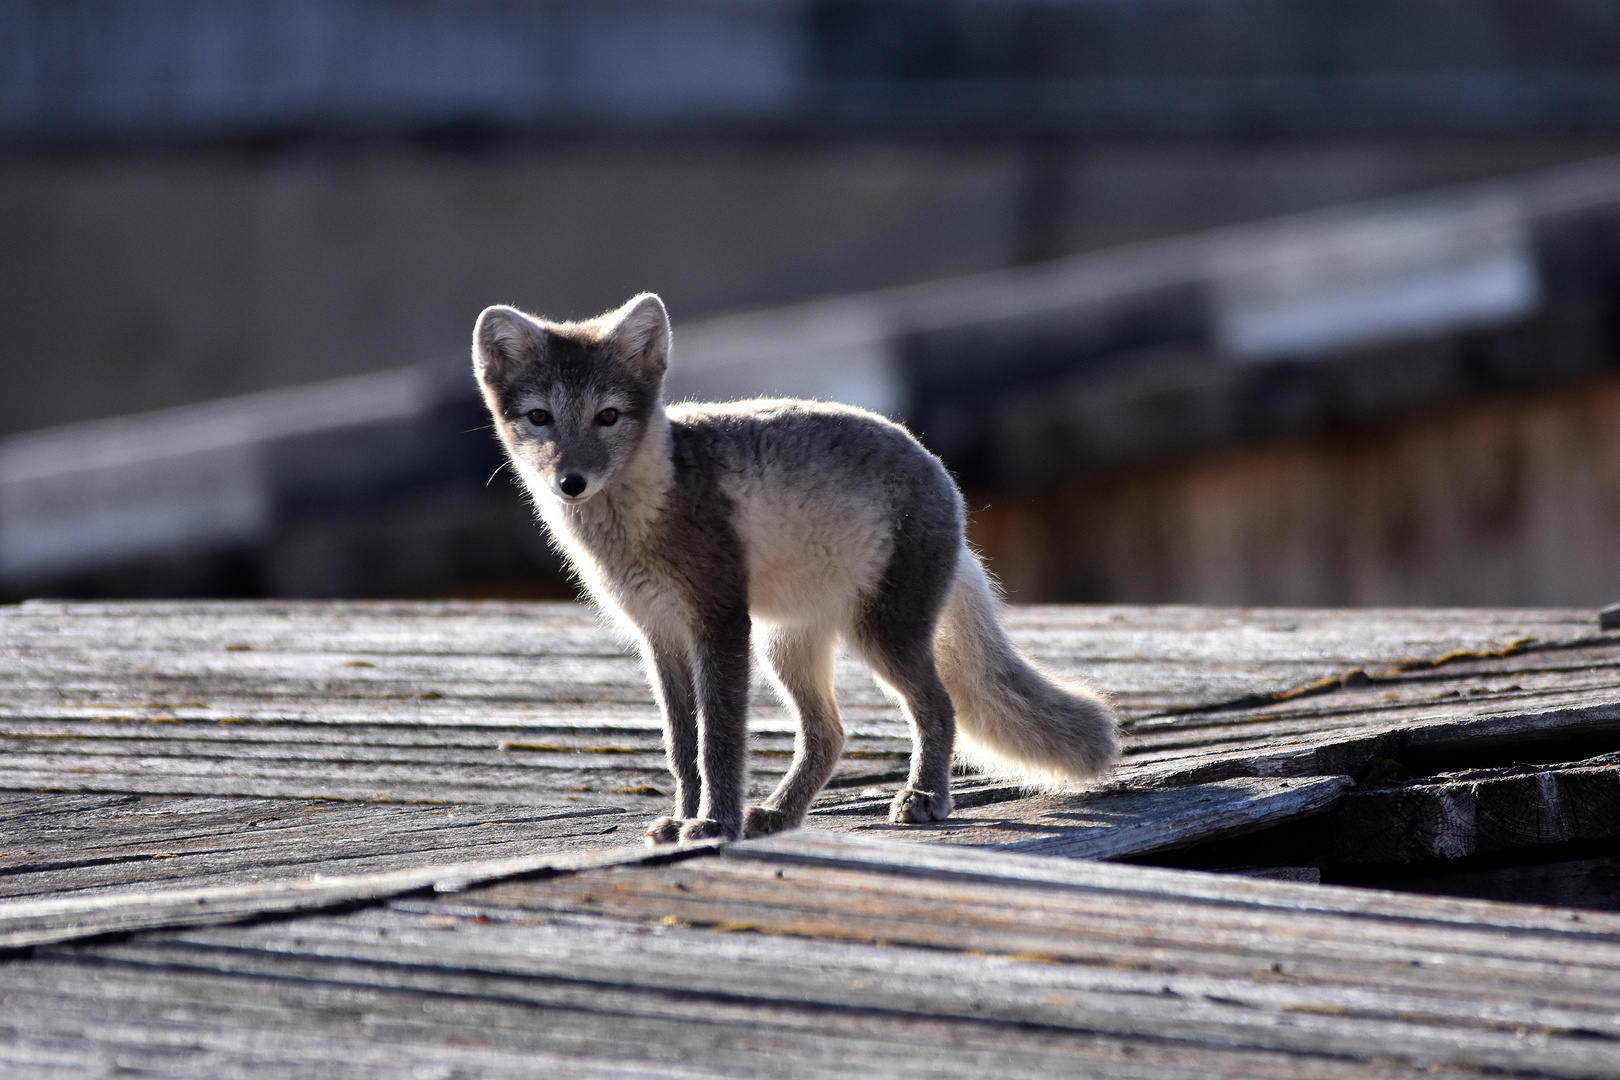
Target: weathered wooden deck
(422, 813)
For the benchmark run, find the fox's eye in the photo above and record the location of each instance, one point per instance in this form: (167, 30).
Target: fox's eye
(539, 417)
(607, 416)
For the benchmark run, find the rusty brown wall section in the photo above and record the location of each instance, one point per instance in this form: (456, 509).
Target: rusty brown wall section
(1502, 502)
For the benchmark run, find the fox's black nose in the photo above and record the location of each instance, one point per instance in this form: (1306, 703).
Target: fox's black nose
(572, 484)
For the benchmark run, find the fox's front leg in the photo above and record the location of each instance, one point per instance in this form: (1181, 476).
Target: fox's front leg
(670, 669)
(720, 674)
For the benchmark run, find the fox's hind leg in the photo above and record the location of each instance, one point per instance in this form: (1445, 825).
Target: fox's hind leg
(895, 636)
(671, 674)
(801, 666)
(908, 670)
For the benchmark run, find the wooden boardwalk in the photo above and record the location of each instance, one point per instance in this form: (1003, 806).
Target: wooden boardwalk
(426, 811)
(822, 955)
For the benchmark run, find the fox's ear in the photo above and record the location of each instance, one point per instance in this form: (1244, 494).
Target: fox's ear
(503, 340)
(640, 332)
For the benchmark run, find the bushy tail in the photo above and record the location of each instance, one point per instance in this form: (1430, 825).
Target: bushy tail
(1014, 721)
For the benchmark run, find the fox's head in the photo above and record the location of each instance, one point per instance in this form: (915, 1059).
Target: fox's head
(573, 401)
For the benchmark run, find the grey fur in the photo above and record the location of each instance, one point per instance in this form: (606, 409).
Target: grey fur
(712, 531)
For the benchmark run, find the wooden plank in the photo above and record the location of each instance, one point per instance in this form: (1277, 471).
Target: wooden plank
(625, 970)
(828, 949)
(1131, 955)
(61, 844)
(1486, 811)
(615, 780)
(1228, 642)
(32, 922)
(1150, 929)
(1294, 643)
(1351, 748)
(293, 717)
(1113, 826)
(826, 946)
(860, 852)
(83, 1012)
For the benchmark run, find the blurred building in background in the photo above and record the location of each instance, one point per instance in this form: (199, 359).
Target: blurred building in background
(1244, 301)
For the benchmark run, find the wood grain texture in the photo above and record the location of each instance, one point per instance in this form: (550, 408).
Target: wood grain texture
(399, 820)
(1115, 825)
(249, 713)
(814, 954)
(1505, 501)
(90, 843)
(525, 703)
(1480, 812)
(27, 923)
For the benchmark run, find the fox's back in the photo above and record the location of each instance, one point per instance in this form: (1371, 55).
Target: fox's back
(816, 494)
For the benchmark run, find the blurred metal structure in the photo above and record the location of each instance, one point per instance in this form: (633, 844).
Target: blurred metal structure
(224, 196)
(1037, 385)
(179, 69)
(1204, 342)
(1398, 400)
(376, 485)
(1408, 401)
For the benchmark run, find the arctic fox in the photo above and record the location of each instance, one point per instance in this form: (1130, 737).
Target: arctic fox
(781, 525)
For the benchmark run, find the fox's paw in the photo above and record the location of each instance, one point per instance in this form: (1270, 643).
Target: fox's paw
(664, 830)
(913, 806)
(703, 829)
(761, 821)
